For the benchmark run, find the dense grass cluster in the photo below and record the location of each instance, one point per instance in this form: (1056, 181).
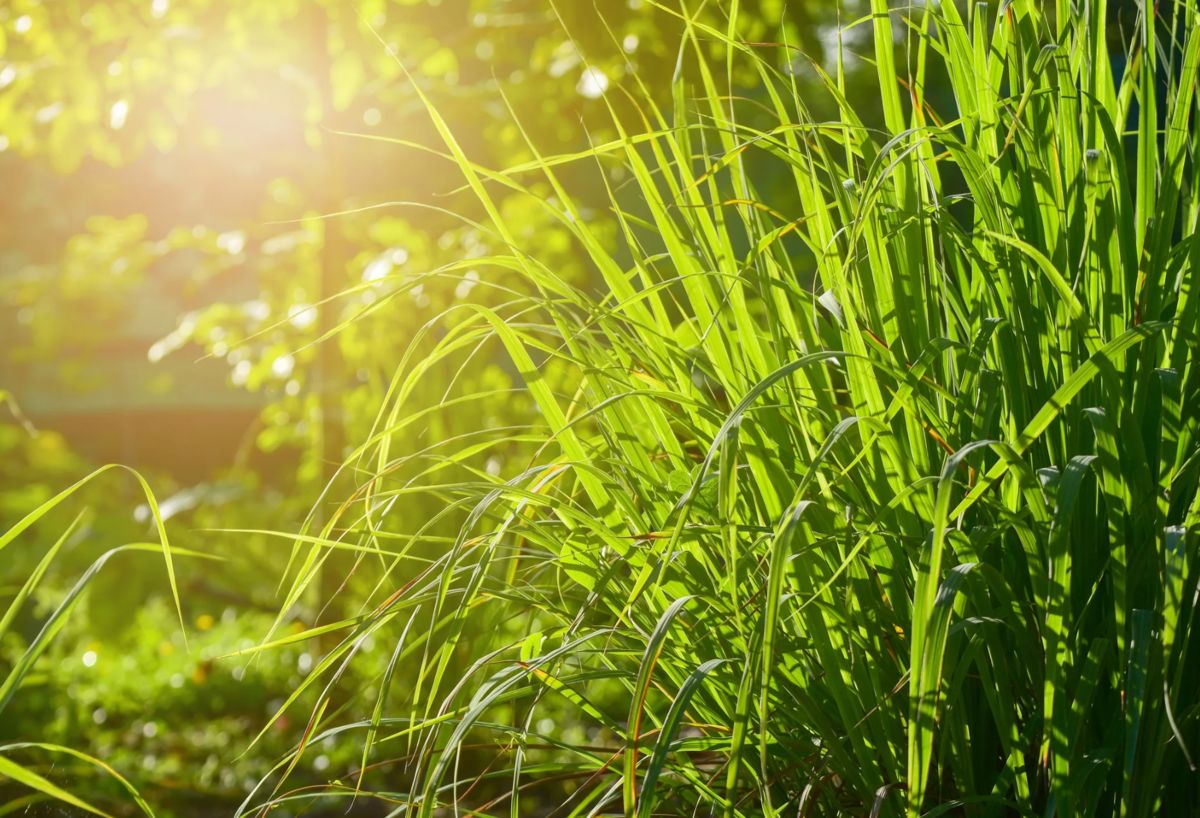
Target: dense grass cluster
(903, 523)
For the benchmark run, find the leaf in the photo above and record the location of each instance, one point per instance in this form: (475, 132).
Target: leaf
(34, 781)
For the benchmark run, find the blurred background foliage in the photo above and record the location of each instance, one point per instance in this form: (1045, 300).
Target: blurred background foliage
(197, 192)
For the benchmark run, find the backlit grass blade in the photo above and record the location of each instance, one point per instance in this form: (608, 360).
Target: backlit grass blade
(58, 618)
(34, 781)
(14, 607)
(55, 748)
(667, 733)
(35, 515)
(641, 687)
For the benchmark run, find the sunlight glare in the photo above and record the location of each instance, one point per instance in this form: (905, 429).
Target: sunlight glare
(116, 118)
(592, 83)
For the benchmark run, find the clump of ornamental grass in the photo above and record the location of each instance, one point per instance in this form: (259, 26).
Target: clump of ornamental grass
(904, 522)
(901, 522)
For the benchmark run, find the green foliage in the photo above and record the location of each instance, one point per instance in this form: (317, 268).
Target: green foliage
(943, 514)
(854, 469)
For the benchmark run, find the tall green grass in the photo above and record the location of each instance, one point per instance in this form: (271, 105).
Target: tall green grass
(903, 523)
(915, 533)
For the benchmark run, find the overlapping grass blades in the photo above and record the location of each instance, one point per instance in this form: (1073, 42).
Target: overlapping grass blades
(53, 625)
(902, 523)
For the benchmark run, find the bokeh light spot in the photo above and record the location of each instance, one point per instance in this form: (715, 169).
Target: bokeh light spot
(592, 83)
(118, 114)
